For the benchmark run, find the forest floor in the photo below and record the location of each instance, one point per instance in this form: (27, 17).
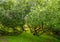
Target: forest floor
(28, 37)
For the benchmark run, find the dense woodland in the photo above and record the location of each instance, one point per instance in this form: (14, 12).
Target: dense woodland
(34, 16)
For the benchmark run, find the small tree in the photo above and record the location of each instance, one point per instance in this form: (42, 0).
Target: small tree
(44, 14)
(12, 14)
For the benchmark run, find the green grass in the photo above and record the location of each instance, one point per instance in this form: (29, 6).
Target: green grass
(28, 37)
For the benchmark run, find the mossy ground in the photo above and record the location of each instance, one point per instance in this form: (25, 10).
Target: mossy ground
(28, 37)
